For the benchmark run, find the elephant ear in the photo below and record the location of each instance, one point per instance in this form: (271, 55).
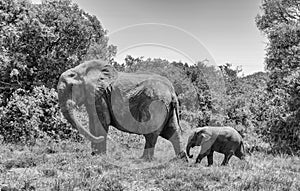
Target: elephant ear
(99, 71)
(205, 137)
(98, 74)
(206, 142)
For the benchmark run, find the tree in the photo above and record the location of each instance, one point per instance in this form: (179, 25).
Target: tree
(40, 41)
(280, 22)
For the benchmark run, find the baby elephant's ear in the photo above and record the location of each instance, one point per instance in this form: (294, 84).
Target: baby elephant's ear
(205, 137)
(207, 141)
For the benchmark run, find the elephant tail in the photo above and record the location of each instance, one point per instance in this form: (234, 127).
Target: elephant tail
(241, 152)
(242, 147)
(241, 132)
(175, 106)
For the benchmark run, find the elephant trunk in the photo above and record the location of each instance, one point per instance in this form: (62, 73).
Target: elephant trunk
(188, 147)
(66, 104)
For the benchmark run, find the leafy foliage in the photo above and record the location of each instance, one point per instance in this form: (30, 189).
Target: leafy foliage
(28, 116)
(280, 21)
(40, 41)
(247, 106)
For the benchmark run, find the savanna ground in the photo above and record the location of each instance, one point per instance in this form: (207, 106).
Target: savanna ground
(67, 165)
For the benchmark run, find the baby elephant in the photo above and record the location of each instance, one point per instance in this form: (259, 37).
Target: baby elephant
(224, 140)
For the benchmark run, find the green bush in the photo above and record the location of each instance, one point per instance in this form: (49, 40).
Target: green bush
(41, 41)
(197, 118)
(32, 115)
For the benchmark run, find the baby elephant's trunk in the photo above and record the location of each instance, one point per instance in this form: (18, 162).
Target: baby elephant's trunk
(188, 147)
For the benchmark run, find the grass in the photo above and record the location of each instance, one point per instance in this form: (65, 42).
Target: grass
(68, 165)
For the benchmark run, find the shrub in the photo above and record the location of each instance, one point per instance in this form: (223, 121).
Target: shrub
(197, 118)
(32, 115)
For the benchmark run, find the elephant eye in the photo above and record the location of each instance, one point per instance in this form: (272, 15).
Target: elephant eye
(72, 75)
(105, 70)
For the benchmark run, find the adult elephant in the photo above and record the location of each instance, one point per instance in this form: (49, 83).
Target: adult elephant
(139, 103)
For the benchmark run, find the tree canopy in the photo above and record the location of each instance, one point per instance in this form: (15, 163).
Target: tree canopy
(40, 41)
(280, 22)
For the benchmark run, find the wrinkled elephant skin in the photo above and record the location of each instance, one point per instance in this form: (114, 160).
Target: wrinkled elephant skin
(224, 140)
(139, 103)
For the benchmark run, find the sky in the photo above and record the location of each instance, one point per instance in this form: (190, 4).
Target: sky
(220, 31)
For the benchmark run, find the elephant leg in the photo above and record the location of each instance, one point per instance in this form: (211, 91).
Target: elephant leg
(201, 156)
(210, 158)
(151, 140)
(171, 132)
(172, 135)
(227, 157)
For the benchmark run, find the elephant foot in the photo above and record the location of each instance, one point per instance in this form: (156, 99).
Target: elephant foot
(224, 164)
(148, 154)
(147, 158)
(182, 156)
(98, 148)
(96, 152)
(198, 160)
